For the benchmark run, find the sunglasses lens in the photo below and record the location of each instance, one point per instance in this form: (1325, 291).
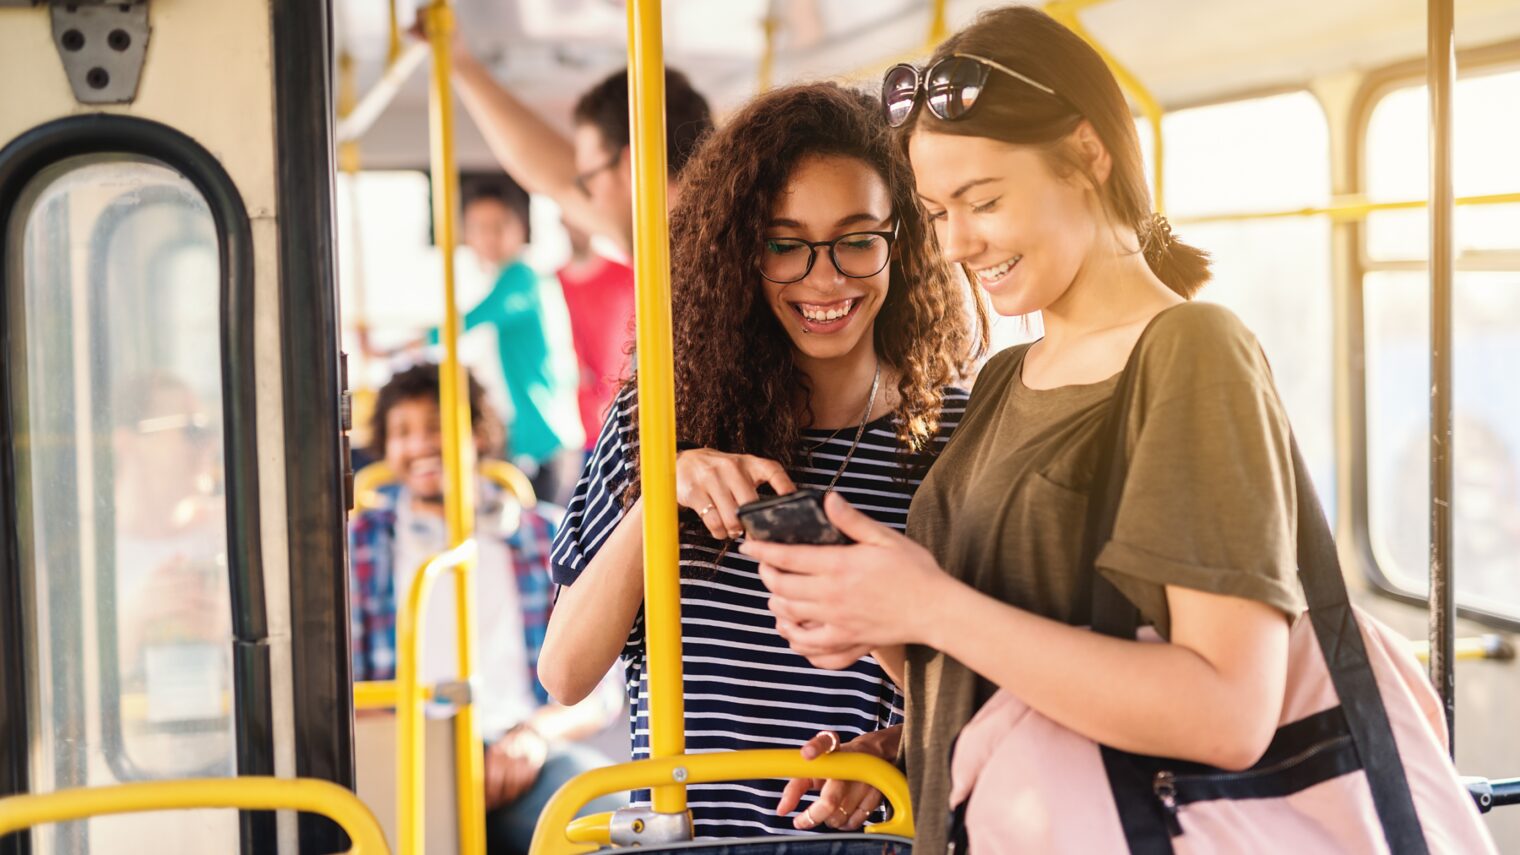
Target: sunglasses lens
(899, 91)
(954, 84)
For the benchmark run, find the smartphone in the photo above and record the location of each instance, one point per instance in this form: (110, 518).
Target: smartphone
(794, 518)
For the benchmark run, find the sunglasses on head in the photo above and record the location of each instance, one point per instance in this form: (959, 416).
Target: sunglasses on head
(951, 87)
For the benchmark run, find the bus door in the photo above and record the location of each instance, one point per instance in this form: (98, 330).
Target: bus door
(173, 585)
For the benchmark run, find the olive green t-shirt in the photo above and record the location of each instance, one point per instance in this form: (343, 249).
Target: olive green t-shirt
(1208, 504)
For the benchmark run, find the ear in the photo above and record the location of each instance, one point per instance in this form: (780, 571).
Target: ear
(1091, 151)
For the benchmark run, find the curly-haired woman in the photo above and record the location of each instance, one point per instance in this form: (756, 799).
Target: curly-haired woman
(816, 335)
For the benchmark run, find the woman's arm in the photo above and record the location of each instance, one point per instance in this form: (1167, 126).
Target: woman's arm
(1212, 695)
(592, 618)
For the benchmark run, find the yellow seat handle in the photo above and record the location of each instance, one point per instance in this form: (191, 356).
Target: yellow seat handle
(559, 834)
(248, 793)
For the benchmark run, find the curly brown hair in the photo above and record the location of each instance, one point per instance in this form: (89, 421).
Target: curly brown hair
(736, 372)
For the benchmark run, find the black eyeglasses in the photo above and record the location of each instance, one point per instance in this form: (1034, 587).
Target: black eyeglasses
(951, 87)
(582, 178)
(858, 255)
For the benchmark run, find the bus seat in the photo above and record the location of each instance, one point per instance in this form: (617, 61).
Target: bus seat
(375, 776)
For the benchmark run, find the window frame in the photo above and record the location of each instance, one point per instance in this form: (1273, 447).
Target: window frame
(1374, 88)
(22, 160)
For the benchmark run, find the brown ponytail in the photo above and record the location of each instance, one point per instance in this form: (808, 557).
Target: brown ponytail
(1032, 43)
(1183, 267)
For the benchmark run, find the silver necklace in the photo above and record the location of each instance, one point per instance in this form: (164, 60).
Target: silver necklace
(859, 431)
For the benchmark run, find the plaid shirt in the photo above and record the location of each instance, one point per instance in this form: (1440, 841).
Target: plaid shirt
(372, 594)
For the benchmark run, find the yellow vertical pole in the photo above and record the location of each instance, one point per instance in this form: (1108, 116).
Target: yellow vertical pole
(939, 24)
(1065, 11)
(458, 449)
(657, 447)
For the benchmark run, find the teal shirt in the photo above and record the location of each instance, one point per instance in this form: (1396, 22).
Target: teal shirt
(544, 418)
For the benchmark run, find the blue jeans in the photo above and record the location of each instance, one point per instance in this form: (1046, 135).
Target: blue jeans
(509, 828)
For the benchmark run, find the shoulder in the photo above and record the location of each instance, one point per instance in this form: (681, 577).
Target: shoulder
(1000, 368)
(517, 276)
(995, 375)
(372, 522)
(1197, 345)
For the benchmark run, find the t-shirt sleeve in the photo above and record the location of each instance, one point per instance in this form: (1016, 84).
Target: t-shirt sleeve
(597, 505)
(1209, 501)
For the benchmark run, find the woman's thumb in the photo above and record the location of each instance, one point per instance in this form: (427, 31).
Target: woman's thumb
(855, 525)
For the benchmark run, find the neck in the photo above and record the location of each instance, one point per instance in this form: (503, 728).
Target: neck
(431, 506)
(1114, 287)
(841, 386)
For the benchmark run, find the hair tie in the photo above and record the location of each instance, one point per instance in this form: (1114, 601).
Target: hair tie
(1158, 238)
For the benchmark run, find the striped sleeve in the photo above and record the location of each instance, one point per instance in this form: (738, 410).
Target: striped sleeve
(597, 505)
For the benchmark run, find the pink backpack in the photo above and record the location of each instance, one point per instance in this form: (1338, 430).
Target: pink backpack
(1359, 763)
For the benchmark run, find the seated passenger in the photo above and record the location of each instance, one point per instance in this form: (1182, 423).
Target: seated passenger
(816, 335)
(531, 740)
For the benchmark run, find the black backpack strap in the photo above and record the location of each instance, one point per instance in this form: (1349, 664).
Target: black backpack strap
(1330, 612)
(1340, 640)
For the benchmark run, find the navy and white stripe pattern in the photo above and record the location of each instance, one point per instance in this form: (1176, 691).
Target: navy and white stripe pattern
(744, 686)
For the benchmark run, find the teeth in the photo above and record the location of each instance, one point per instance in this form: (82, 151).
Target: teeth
(822, 316)
(992, 274)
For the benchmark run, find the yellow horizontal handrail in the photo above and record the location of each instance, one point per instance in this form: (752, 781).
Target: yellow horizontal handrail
(383, 694)
(409, 696)
(553, 835)
(248, 793)
(1476, 648)
(1346, 209)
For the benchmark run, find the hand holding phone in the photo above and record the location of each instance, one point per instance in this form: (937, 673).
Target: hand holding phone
(794, 518)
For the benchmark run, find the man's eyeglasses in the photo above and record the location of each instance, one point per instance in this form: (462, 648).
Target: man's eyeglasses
(858, 255)
(951, 87)
(581, 179)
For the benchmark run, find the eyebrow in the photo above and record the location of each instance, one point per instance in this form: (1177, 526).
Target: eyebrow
(860, 217)
(961, 190)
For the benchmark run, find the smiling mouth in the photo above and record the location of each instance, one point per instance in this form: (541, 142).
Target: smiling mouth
(826, 317)
(998, 272)
(425, 466)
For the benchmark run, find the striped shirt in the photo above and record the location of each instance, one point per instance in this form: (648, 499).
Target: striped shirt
(744, 687)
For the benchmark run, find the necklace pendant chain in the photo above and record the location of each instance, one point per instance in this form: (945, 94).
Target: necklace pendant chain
(859, 431)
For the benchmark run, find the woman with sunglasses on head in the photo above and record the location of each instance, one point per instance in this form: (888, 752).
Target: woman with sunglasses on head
(1027, 160)
(815, 337)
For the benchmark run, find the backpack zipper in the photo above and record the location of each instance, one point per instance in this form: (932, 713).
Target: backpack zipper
(1167, 784)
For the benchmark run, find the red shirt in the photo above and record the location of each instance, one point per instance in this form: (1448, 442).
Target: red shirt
(600, 299)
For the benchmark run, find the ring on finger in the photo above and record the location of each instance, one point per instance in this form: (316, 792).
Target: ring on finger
(833, 737)
(705, 511)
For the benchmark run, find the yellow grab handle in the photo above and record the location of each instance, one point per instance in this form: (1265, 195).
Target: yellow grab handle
(557, 833)
(250, 793)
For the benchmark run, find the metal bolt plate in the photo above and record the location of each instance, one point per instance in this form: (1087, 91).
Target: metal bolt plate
(102, 46)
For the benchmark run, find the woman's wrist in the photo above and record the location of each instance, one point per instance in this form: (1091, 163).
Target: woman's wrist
(942, 599)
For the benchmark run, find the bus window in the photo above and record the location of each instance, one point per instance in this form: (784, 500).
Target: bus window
(1266, 154)
(115, 368)
(1486, 311)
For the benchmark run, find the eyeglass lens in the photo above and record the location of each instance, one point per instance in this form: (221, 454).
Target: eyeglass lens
(855, 255)
(953, 85)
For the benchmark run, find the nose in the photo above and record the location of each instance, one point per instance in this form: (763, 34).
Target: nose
(825, 273)
(422, 444)
(958, 239)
